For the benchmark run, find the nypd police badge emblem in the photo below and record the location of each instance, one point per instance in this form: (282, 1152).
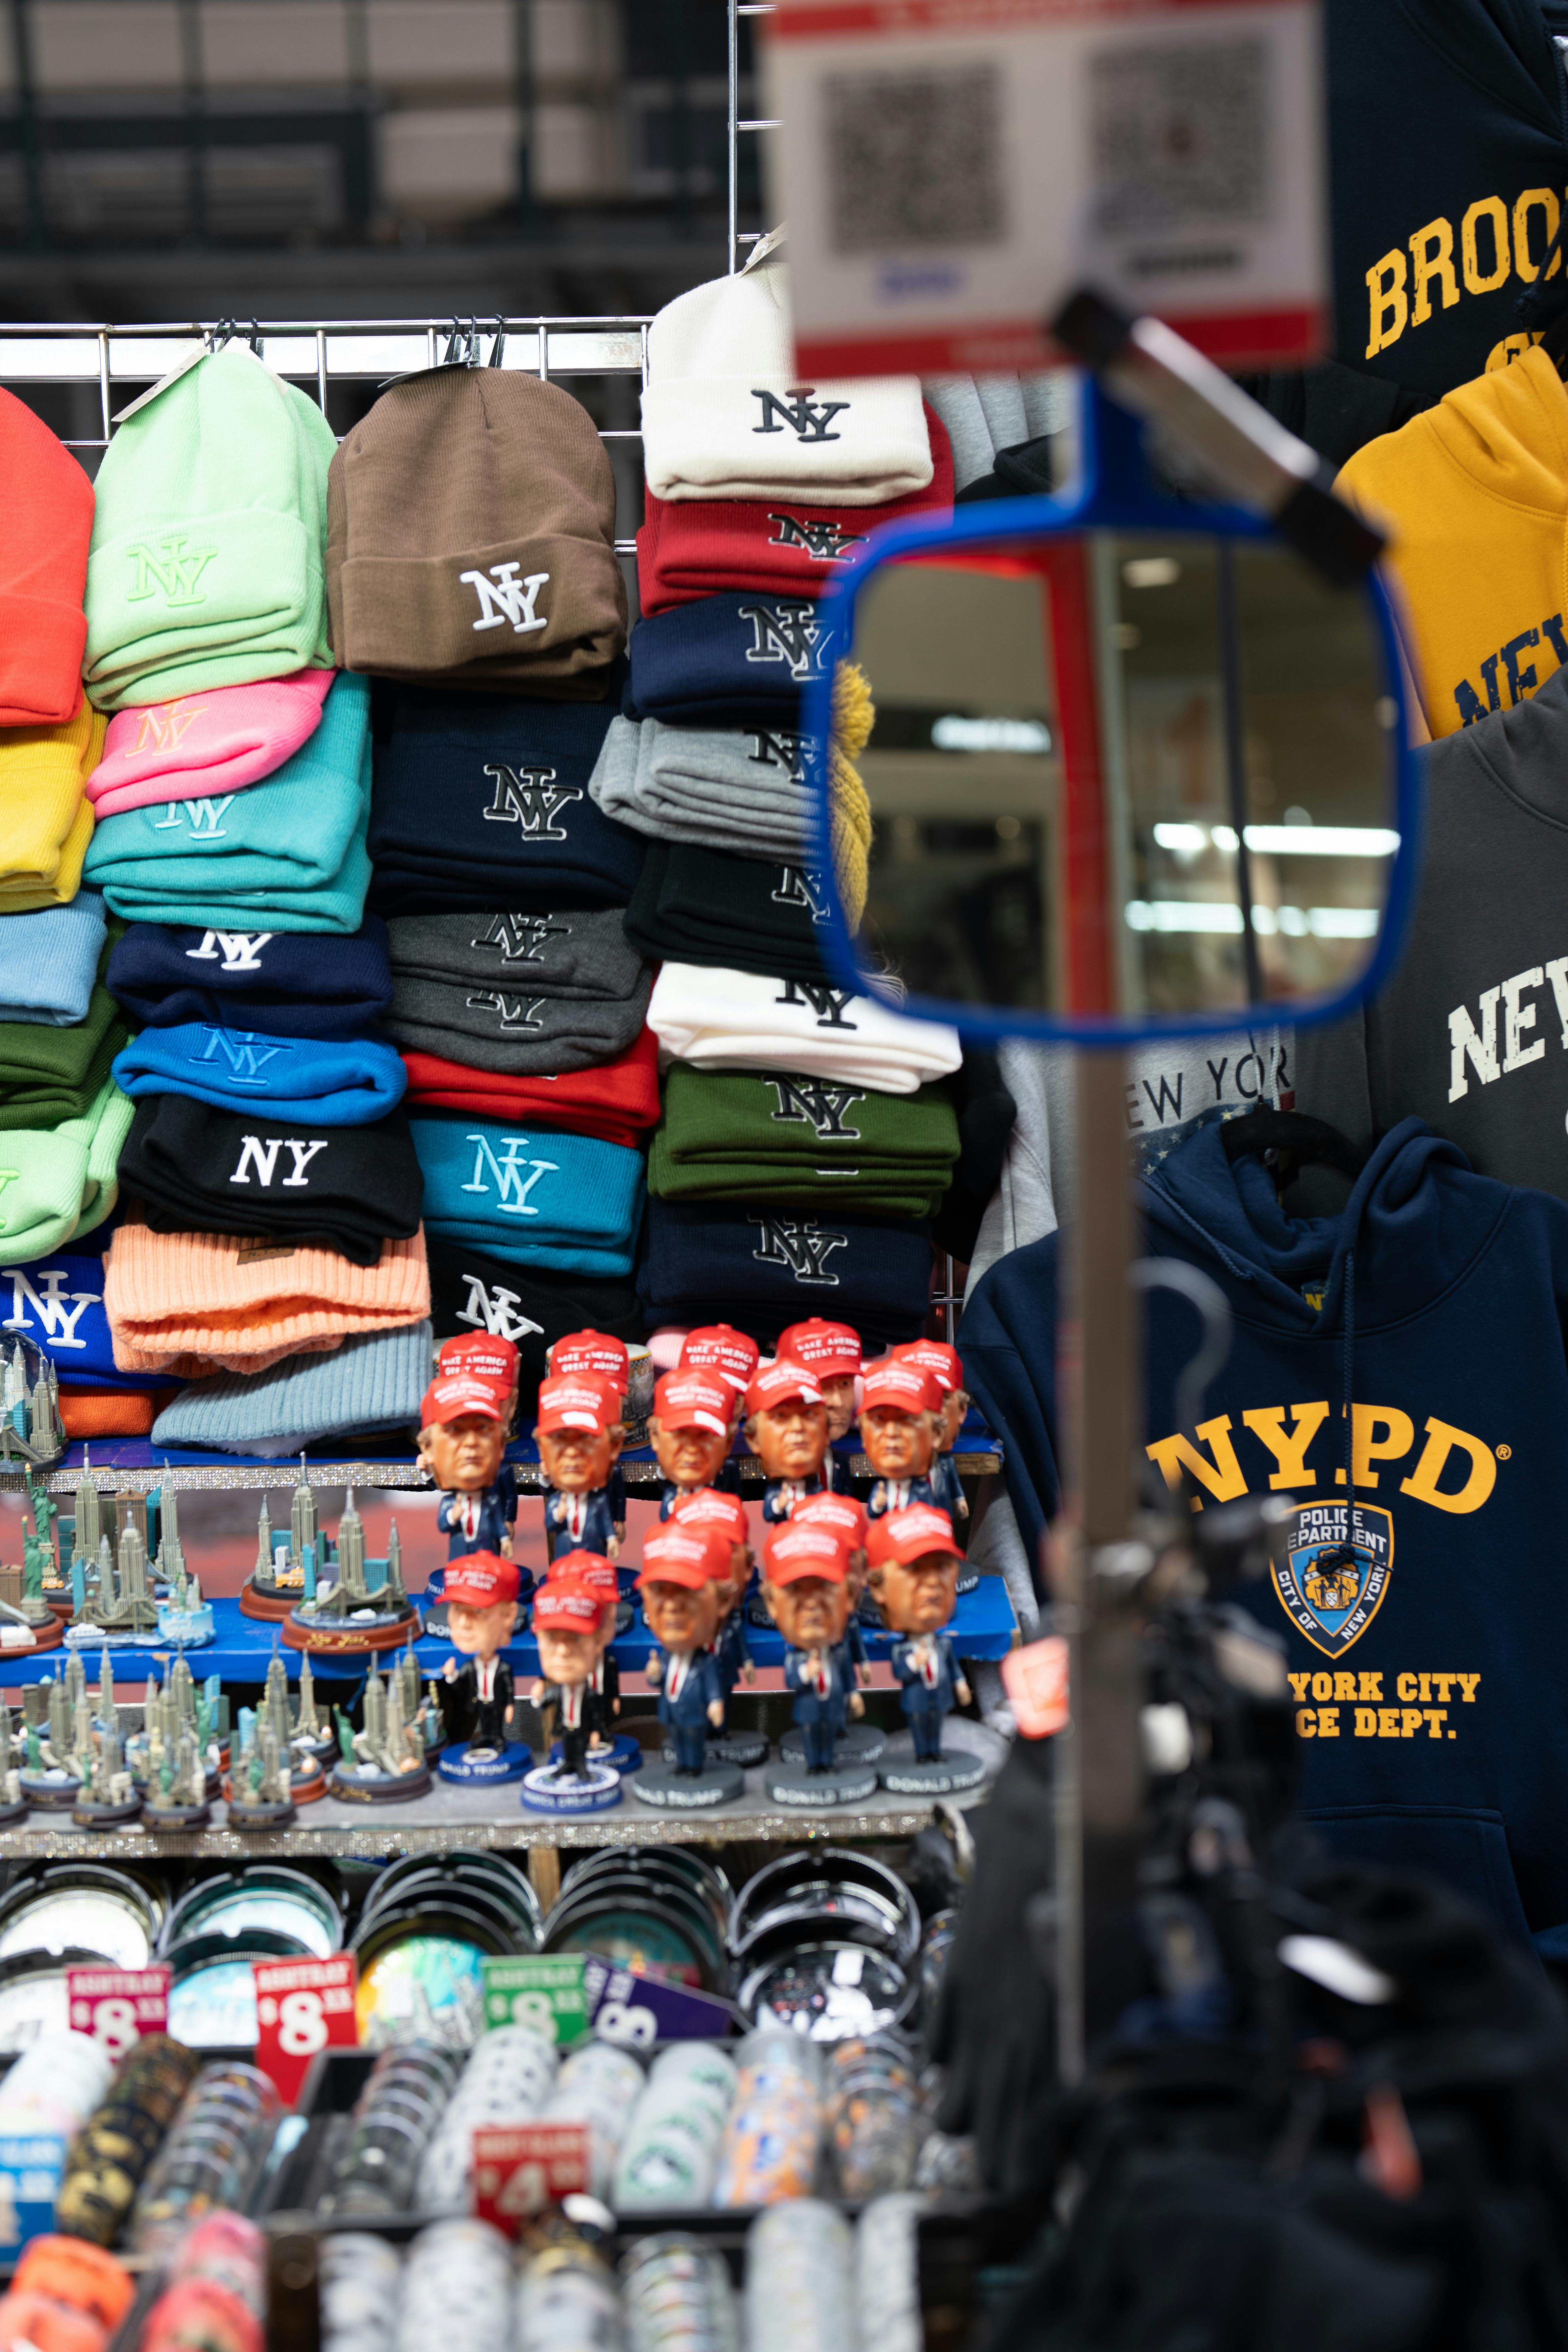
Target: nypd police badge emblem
(1330, 1575)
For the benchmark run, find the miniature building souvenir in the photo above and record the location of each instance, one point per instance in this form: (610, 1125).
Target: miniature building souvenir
(176, 1796)
(106, 1797)
(803, 1585)
(900, 1420)
(383, 1762)
(689, 1432)
(566, 1625)
(31, 1430)
(260, 1797)
(184, 1618)
(352, 1613)
(176, 1705)
(914, 1565)
(275, 1585)
(686, 1570)
(477, 1700)
(59, 1728)
(786, 1428)
(13, 1803)
(304, 1741)
(54, 1584)
(579, 1437)
(114, 1607)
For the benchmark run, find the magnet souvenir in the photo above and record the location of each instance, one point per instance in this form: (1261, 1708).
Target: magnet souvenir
(914, 1563)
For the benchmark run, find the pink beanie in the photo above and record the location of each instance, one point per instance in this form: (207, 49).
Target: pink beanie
(205, 743)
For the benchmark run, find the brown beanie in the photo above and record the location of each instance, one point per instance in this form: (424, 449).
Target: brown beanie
(470, 538)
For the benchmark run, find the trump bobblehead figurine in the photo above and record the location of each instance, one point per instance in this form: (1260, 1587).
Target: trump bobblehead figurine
(786, 1428)
(900, 1421)
(481, 1617)
(689, 1429)
(945, 1366)
(831, 1353)
(804, 1572)
(579, 1437)
(462, 1438)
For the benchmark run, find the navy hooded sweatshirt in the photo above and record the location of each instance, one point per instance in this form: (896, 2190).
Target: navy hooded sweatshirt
(1430, 1679)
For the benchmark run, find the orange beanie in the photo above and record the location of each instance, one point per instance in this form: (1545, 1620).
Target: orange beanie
(47, 501)
(109, 1412)
(197, 1303)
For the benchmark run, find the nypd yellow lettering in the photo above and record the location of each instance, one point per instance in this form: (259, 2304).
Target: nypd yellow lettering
(1455, 1472)
(1442, 1440)
(1412, 283)
(1223, 1475)
(1289, 1448)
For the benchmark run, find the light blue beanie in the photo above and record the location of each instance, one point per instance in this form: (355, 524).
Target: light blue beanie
(48, 960)
(371, 1383)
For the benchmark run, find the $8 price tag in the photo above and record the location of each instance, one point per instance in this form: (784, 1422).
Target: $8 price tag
(302, 2006)
(116, 2006)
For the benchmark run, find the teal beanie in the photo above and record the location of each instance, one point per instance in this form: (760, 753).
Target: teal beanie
(205, 568)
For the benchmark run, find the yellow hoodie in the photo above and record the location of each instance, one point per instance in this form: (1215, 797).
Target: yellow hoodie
(1474, 497)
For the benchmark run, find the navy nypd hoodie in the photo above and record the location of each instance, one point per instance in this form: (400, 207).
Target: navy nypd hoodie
(1430, 1680)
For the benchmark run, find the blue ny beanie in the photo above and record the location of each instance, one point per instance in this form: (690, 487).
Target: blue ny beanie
(321, 1082)
(288, 983)
(735, 660)
(483, 802)
(285, 854)
(530, 1198)
(779, 1266)
(371, 1383)
(48, 961)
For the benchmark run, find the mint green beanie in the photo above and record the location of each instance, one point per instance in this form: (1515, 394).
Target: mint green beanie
(59, 1181)
(205, 568)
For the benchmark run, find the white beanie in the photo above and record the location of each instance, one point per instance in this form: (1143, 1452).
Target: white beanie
(725, 414)
(737, 1021)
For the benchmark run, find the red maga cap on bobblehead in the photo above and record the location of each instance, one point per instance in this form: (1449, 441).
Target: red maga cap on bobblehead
(460, 1393)
(693, 1399)
(841, 1513)
(566, 1608)
(945, 1364)
(577, 1400)
(680, 1553)
(718, 1347)
(781, 1383)
(590, 1569)
(480, 1578)
(907, 1534)
(792, 1552)
(592, 1351)
(906, 1387)
(706, 1506)
(831, 1350)
(481, 1358)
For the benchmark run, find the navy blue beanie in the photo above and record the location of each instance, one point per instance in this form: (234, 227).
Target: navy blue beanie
(289, 983)
(730, 660)
(482, 801)
(777, 1266)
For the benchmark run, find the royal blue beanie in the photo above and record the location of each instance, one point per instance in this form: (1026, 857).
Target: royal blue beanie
(322, 1082)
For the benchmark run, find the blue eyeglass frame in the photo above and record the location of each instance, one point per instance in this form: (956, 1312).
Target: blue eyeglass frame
(1113, 491)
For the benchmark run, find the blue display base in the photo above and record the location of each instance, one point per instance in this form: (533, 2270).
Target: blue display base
(625, 1756)
(482, 1767)
(599, 1793)
(187, 1629)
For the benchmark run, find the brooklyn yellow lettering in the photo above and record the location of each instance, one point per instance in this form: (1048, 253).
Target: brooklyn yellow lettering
(1432, 253)
(1443, 1439)
(1289, 1449)
(1477, 279)
(1543, 201)
(1222, 1476)
(1390, 304)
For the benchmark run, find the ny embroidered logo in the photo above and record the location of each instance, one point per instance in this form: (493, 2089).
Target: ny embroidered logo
(512, 1011)
(826, 1003)
(514, 1176)
(57, 1310)
(246, 1050)
(818, 535)
(779, 749)
(529, 798)
(203, 817)
(802, 1246)
(789, 632)
(802, 886)
(164, 724)
(806, 418)
(822, 1107)
(497, 1312)
(504, 597)
(263, 1157)
(174, 568)
(240, 950)
(522, 938)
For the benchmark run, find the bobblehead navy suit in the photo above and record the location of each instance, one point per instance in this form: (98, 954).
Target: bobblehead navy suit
(732, 1652)
(947, 1489)
(780, 1495)
(478, 1522)
(578, 1522)
(822, 1707)
(728, 1481)
(684, 1710)
(929, 1672)
(898, 1494)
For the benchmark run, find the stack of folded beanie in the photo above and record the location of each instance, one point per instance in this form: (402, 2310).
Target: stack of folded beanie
(529, 1306)
(766, 1269)
(47, 501)
(50, 1071)
(482, 801)
(735, 1021)
(55, 1300)
(289, 983)
(311, 1082)
(206, 744)
(735, 1137)
(531, 1196)
(615, 1101)
(520, 994)
(49, 961)
(45, 818)
(471, 538)
(286, 854)
(208, 540)
(371, 1385)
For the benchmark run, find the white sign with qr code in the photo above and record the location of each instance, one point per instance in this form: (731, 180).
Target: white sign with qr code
(951, 170)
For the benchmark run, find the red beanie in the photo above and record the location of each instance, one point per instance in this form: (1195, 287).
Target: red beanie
(617, 1103)
(47, 501)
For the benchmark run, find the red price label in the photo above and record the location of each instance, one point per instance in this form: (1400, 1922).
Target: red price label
(1038, 1687)
(521, 2169)
(302, 2007)
(118, 2006)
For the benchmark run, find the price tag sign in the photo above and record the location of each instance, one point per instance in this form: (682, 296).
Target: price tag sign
(302, 2007)
(952, 170)
(1037, 1683)
(520, 2169)
(31, 2170)
(542, 1989)
(635, 2011)
(118, 2006)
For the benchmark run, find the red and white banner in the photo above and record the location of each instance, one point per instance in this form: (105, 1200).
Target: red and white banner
(951, 170)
